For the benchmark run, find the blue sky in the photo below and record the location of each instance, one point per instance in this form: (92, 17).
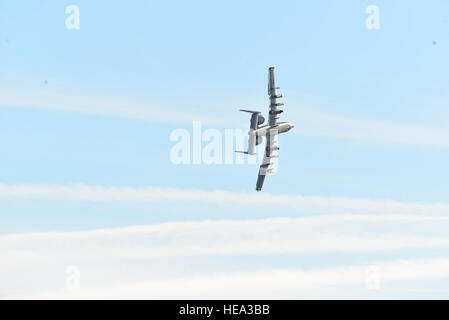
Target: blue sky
(86, 116)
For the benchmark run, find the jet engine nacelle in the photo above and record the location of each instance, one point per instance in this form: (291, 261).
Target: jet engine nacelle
(256, 119)
(253, 140)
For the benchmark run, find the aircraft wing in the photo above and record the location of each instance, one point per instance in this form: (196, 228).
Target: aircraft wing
(269, 163)
(272, 93)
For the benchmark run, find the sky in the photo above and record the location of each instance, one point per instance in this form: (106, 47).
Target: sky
(93, 206)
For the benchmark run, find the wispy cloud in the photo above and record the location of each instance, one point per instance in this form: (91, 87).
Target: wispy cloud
(120, 108)
(312, 123)
(294, 203)
(306, 120)
(185, 259)
(346, 282)
(262, 237)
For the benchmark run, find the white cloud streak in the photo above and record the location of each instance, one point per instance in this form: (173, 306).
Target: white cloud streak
(280, 236)
(292, 203)
(329, 125)
(158, 258)
(96, 106)
(346, 282)
(307, 121)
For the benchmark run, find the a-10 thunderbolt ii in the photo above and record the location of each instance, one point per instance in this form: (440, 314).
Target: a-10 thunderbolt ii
(271, 130)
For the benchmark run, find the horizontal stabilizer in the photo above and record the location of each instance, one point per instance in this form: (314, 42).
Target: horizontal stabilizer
(249, 111)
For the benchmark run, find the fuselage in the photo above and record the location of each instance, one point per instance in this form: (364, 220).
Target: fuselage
(281, 127)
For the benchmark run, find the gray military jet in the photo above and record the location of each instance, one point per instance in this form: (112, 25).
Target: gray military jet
(271, 130)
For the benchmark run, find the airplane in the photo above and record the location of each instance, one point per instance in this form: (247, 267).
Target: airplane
(270, 131)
